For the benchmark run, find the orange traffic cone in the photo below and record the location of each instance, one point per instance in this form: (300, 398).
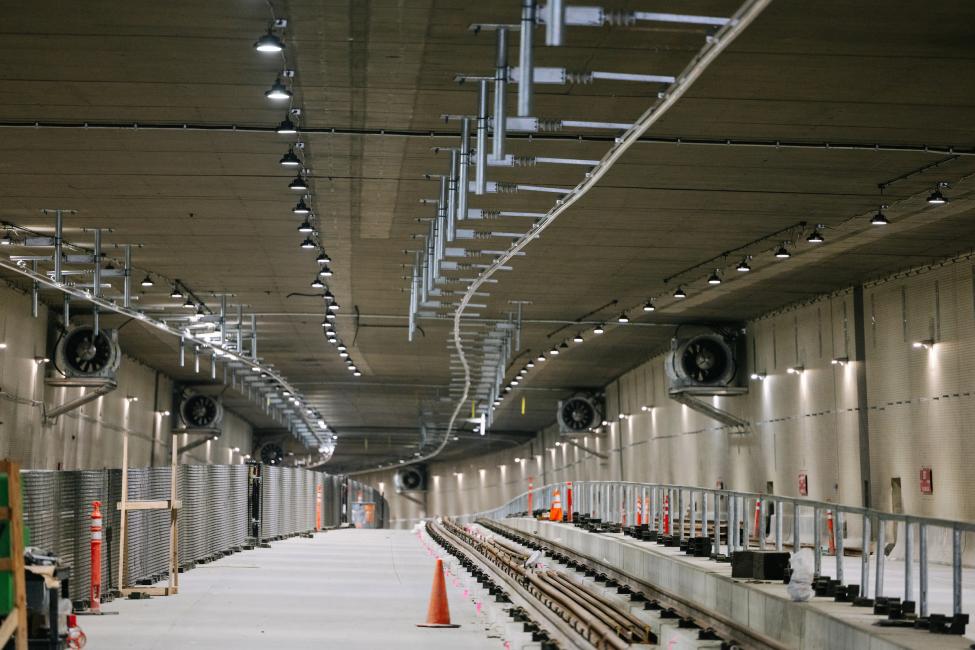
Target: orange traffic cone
(555, 514)
(438, 612)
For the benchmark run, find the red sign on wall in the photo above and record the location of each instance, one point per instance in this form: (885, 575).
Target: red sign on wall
(803, 484)
(927, 481)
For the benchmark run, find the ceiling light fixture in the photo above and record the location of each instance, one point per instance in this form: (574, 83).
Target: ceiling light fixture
(680, 294)
(287, 127)
(714, 278)
(879, 219)
(936, 197)
(308, 243)
(325, 272)
(328, 296)
(175, 293)
(333, 306)
(317, 283)
(578, 338)
(623, 318)
(530, 364)
(7, 240)
(147, 282)
(743, 266)
(278, 91)
(783, 253)
(305, 227)
(599, 329)
(342, 348)
(816, 237)
(269, 43)
(290, 159)
(648, 306)
(564, 346)
(330, 315)
(540, 357)
(301, 207)
(299, 184)
(554, 351)
(189, 304)
(323, 258)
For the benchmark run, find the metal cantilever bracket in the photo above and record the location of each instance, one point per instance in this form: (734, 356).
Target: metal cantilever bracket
(586, 449)
(99, 386)
(200, 437)
(690, 400)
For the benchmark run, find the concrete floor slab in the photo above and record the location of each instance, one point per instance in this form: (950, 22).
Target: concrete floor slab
(342, 589)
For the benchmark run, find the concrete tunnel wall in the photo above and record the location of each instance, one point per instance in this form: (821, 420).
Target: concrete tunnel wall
(920, 413)
(89, 437)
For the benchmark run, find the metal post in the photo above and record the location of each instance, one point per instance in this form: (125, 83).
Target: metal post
(213, 365)
(554, 23)
(838, 541)
(480, 170)
(908, 559)
(127, 278)
(717, 523)
(730, 532)
(58, 246)
(464, 166)
(526, 64)
(879, 578)
(97, 273)
(778, 524)
(746, 522)
(956, 570)
(762, 512)
(796, 534)
(865, 559)
(922, 565)
(240, 329)
(817, 541)
(691, 531)
(500, 85)
(680, 517)
(254, 337)
(452, 195)
(182, 352)
(35, 295)
(704, 514)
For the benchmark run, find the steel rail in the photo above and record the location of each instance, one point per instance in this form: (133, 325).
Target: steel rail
(722, 626)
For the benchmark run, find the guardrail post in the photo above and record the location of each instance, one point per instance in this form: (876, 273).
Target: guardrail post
(796, 534)
(717, 523)
(778, 525)
(881, 534)
(865, 559)
(922, 564)
(680, 517)
(838, 541)
(732, 522)
(762, 512)
(908, 559)
(956, 570)
(817, 542)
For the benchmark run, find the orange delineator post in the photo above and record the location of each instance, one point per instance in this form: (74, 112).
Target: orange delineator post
(530, 496)
(666, 514)
(832, 535)
(568, 500)
(95, 594)
(639, 512)
(318, 508)
(438, 611)
(759, 532)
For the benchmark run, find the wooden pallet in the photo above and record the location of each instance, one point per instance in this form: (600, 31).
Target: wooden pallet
(16, 621)
(125, 506)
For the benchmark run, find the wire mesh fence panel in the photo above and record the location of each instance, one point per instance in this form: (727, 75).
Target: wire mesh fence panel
(40, 493)
(237, 515)
(137, 527)
(111, 524)
(193, 544)
(218, 518)
(270, 501)
(158, 523)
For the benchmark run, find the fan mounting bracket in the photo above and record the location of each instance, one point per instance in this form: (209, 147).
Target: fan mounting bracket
(199, 437)
(98, 386)
(692, 399)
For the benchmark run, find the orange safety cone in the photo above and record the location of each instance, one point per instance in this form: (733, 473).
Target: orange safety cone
(555, 514)
(438, 612)
(832, 535)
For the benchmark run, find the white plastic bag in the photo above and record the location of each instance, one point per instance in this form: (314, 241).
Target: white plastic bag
(800, 581)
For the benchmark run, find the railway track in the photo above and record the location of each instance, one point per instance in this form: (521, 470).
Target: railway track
(672, 606)
(585, 604)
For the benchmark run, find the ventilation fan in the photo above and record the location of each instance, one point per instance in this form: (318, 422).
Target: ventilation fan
(270, 453)
(82, 354)
(578, 414)
(200, 411)
(410, 479)
(705, 364)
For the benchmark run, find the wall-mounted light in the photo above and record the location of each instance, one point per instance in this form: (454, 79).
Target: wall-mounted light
(646, 407)
(927, 344)
(795, 370)
(132, 398)
(41, 360)
(840, 361)
(604, 423)
(623, 416)
(163, 413)
(3, 346)
(758, 376)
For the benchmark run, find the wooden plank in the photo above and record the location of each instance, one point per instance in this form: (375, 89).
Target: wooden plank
(17, 553)
(5, 565)
(162, 504)
(125, 497)
(149, 591)
(4, 513)
(7, 629)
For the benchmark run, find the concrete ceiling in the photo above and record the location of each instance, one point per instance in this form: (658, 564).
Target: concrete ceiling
(209, 204)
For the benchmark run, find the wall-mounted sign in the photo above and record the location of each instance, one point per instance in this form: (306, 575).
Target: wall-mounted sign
(927, 481)
(803, 484)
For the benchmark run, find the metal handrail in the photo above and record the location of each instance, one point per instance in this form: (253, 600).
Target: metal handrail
(667, 505)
